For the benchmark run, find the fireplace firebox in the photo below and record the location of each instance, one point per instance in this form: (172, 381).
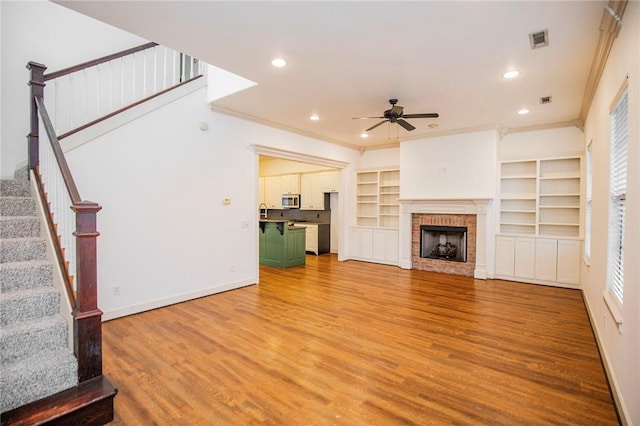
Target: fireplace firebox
(443, 242)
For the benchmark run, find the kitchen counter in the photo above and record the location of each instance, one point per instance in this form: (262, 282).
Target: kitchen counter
(281, 245)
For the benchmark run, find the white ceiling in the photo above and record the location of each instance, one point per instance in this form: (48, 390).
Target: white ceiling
(346, 59)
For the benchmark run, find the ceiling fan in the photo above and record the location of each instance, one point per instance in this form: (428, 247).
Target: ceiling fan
(396, 115)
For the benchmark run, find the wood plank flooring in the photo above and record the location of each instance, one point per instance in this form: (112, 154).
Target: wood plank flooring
(354, 343)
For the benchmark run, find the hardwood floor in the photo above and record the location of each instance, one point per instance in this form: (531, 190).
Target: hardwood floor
(355, 343)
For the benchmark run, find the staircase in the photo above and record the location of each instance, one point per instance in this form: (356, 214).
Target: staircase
(35, 357)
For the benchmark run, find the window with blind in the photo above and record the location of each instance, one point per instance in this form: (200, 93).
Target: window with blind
(587, 219)
(617, 197)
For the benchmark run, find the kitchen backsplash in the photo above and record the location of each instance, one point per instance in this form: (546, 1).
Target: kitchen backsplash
(319, 216)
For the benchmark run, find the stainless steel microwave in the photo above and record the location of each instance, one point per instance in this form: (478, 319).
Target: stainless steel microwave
(291, 201)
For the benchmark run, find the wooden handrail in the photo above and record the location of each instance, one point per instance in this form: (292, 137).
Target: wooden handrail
(98, 61)
(57, 150)
(68, 286)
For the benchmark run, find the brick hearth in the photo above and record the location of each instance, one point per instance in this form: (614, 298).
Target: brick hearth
(437, 265)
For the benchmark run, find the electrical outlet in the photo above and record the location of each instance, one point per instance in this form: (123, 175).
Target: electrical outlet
(116, 290)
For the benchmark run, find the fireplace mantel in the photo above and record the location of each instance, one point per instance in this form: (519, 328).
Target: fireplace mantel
(476, 206)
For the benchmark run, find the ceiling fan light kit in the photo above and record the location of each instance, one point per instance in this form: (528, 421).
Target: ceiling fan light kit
(396, 115)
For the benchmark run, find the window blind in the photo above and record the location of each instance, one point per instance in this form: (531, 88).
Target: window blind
(618, 195)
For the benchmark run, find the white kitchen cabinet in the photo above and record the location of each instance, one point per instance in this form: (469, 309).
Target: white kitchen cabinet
(546, 258)
(273, 192)
(290, 184)
(569, 261)
(312, 238)
(374, 245)
(330, 181)
(311, 194)
(549, 261)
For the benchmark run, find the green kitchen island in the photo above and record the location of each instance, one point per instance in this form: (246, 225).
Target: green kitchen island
(281, 245)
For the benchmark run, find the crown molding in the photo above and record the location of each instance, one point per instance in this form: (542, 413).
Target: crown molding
(609, 28)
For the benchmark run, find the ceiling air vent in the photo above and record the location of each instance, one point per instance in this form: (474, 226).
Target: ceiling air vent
(539, 39)
(545, 100)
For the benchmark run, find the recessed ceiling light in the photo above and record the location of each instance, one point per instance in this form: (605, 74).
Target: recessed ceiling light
(511, 74)
(279, 62)
(432, 126)
(523, 111)
(364, 135)
(314, 117)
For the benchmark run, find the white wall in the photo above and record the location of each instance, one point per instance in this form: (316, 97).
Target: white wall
(457, 166)
(52, 35)
(620, 346)
(556, 142)
(384, 158)
(166, 235)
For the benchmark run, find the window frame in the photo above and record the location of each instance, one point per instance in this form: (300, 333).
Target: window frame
(618, 165)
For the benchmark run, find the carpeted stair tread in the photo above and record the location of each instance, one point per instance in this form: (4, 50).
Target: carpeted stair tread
(38, 376)
(22, 249)
(17, 206)
(21, 340)
(19, 226)
(26, 274)
(15, 188)
(27, 305)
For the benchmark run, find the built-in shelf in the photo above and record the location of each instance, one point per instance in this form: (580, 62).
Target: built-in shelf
(377, 198)
(540, 197)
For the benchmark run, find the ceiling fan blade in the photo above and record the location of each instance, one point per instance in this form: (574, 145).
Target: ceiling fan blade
(364, 118)
(404, 124)
(427, 115)
(373, 127)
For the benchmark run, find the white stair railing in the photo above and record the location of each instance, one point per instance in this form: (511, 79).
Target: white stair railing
(78, 96)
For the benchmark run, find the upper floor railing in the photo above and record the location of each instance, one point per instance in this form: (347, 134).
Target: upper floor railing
(82, 95)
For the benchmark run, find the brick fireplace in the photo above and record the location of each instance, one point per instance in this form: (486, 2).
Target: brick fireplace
(467, 221)
(468, 213)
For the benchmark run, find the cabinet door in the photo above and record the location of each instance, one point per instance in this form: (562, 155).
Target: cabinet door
(546, 258)
(290, 184)
(361, 243)
(329, 181)
(505, 256)
(311, 192)
(569, 261)
(273, 191)
(385, 245)
(312, 238)
(525, 249)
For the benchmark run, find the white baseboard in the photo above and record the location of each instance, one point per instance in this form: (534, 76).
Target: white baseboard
(160, 303)
(623, 412)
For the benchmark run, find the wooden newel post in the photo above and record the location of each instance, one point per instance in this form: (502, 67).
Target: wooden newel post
(37, 89)
(87, 334)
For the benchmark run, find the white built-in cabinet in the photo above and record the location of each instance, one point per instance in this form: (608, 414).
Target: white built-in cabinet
(539, 238)
(374, 245)
(375, 238)
(290, 184)
(538, 260)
